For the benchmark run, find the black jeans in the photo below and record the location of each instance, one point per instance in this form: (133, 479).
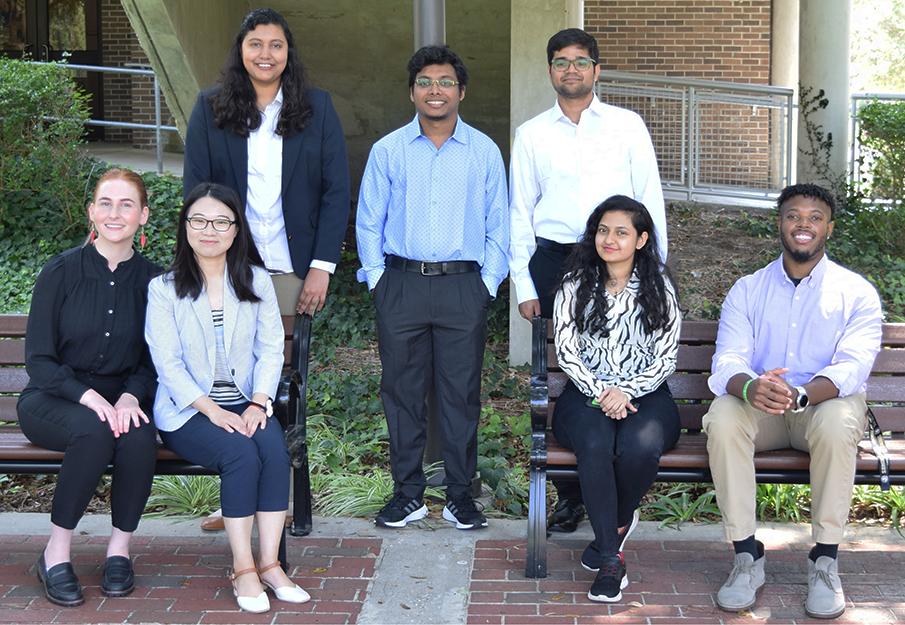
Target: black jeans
(617, 459)
(55, 423)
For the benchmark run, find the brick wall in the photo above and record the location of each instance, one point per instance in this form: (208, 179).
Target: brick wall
(724, 40)
(127, 98)
(711, 39)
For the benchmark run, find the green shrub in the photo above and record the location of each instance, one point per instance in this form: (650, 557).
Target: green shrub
(882, 137)
(41, 155)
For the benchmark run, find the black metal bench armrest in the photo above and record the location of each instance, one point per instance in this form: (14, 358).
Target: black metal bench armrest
(878, 446)
(291, 408)
(539, 391)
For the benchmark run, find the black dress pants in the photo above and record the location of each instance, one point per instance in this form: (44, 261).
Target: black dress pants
(545, 266)
(431, 327)
(55, 423)
(617, 459)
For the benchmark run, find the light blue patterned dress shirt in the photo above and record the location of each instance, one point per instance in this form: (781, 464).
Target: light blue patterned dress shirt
(426, 204)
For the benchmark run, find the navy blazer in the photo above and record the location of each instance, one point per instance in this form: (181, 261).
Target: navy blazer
(315, 193)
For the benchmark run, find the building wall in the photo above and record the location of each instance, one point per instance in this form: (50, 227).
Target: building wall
(128, 98)
(726, 40)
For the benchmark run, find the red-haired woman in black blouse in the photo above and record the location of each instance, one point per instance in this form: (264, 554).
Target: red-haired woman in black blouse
(92, 382)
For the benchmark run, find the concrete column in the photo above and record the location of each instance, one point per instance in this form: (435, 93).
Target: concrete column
(533, 23)
(784, 59)
(825, 48)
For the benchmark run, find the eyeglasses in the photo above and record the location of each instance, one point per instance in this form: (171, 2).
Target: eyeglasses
(200, 223)
(581, 64)
(427, 82)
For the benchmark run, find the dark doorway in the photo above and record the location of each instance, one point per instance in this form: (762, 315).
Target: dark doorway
(55, 30)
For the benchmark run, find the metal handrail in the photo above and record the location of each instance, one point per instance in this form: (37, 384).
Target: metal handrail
(686, 129)
(157, 126)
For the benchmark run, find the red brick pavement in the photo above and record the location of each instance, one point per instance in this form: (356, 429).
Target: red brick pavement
(674, 581)
(181, 579)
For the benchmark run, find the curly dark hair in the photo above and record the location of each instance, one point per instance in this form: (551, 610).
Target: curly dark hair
(235, 105)
(807, 189)
(585, 265)
(240, 257)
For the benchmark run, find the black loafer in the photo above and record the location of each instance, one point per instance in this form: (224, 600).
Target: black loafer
(119, 580)
(566, 517)
(61, 585)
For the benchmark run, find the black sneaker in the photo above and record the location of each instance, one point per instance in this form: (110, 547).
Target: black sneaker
(611, 579)
(461, 510)
(400, 510)
(591, 557)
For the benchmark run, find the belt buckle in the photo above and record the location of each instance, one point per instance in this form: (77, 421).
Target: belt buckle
(424, 268)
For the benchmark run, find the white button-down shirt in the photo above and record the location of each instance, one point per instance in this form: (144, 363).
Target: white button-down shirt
(264, 200)
(561, 171)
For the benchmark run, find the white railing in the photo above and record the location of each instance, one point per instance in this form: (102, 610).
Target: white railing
(158, 127)
(713, 139)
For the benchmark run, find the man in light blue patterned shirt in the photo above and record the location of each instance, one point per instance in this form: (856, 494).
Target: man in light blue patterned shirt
(433, 230)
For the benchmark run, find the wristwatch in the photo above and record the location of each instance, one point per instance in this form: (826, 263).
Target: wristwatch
(802, 401)
(267, 407)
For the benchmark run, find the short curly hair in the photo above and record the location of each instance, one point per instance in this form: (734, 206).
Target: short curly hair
(807, 189)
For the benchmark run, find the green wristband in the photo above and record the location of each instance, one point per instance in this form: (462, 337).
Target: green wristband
(745, 391)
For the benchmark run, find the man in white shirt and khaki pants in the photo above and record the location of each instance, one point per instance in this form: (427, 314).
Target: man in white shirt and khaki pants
(565, 162)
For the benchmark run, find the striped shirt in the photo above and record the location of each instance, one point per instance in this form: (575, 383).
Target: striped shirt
(224, 392)
(630, 359)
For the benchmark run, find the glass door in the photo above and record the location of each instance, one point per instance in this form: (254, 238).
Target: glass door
(56, 30)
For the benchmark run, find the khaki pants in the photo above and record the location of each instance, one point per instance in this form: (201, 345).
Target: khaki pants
(288, 287)
(829, 431)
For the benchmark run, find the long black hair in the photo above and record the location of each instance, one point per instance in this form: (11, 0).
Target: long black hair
(240, 257)
(585, 265)
(235, 105)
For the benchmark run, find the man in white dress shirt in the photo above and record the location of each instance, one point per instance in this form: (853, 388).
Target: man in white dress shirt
(565, 162)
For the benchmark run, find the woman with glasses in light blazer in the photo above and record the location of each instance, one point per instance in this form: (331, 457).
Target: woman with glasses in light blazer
(216, 338)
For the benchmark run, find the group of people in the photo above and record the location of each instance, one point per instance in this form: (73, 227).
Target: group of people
(580, 227)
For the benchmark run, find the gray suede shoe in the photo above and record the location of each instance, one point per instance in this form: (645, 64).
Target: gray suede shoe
(825, 598)
(746, 578)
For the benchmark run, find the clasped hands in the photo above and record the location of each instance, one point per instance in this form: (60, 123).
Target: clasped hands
(771, 393)
(120, 417)
(615, 404)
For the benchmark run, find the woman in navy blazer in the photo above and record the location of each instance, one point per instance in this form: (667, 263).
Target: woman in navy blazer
(276, 141)
(216, 339)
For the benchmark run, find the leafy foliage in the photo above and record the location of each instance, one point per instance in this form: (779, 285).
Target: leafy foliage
(183, 495)
(882, 138)
(41, 155)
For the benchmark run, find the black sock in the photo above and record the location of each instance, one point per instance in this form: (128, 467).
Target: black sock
(749, 545)
(823, 549)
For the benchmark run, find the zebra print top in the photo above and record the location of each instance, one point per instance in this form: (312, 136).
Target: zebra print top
(633, 361)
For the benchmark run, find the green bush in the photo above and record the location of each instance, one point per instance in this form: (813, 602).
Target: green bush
(882, 137)
(41, 129)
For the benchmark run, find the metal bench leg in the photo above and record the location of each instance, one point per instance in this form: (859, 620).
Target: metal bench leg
(536, 558)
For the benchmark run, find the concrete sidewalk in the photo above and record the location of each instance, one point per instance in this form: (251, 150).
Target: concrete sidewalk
(433, 573)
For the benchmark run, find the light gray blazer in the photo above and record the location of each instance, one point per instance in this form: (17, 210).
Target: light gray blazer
(180, 334)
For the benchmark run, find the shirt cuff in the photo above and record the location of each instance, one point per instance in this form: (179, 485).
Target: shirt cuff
(324, 265)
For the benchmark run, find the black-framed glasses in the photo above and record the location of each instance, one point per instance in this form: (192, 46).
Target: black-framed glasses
(427, 82)
(581, 64)
(200, 223)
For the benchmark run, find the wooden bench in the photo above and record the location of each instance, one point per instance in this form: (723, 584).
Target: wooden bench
(19, 455)
(687, 461)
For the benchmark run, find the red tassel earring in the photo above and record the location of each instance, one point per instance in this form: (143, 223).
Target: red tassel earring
(142, 237)
(91, 238)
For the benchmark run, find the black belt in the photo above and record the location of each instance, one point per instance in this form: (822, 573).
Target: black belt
(427, 268)
(547, 244)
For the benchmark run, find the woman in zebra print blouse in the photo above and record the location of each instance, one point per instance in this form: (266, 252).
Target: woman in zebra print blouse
(616, 319)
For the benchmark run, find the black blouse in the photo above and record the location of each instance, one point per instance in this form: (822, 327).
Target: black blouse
(86, 323)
